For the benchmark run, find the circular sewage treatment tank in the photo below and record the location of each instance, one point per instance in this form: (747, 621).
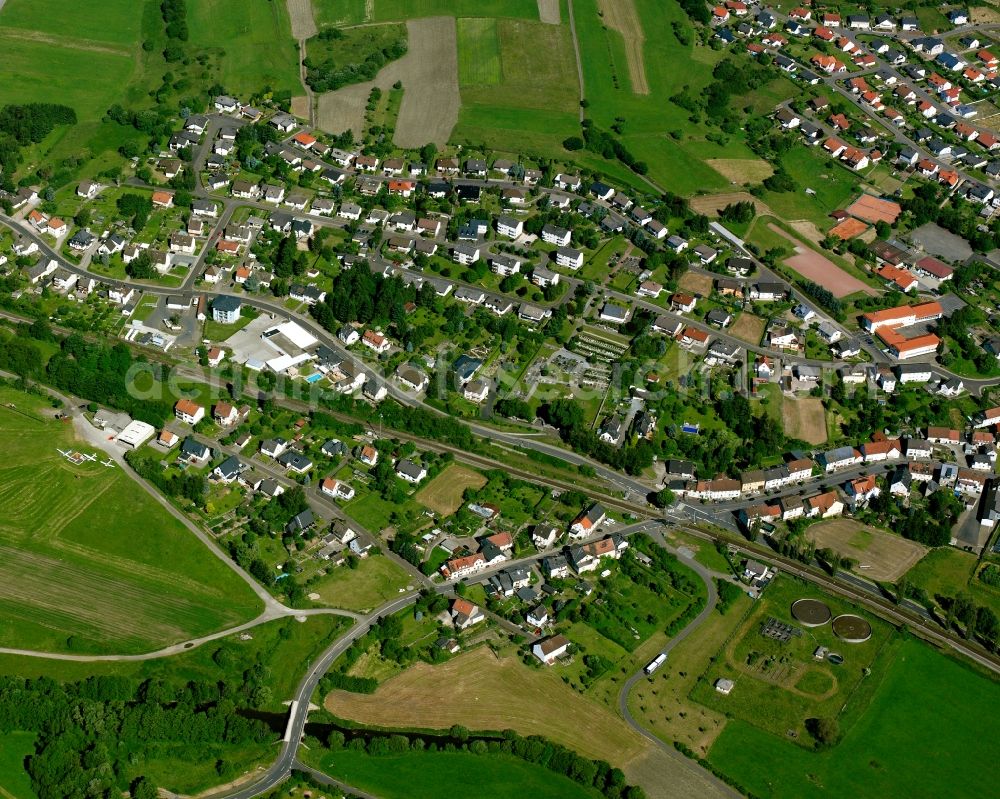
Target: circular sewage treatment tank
(811, 612)
(852, 629)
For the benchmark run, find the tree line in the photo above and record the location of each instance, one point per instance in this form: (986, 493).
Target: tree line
(24, 125)
(91, 735)
(534, 749)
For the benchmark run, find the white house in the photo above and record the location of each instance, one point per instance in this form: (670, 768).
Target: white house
(337, 489)
(188, 412)
(549, 649)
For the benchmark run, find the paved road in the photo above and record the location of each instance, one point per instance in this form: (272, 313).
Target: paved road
(714, 784)
(282, 766)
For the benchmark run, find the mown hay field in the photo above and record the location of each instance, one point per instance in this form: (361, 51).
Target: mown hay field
(89, 562)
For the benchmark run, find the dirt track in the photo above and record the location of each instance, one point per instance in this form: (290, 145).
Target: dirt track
(429, 74)
(621, 16)
(300, 12)
(548, 11)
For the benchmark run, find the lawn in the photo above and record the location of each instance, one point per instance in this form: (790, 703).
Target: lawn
(444, 494)
(832, 185)
(429, 775)
(478, 52)
(14, 780)
(927, 731)
(253, 41)
(217, 331)
(375, 580)
(663, 700)
(91, 563)
(374, 513)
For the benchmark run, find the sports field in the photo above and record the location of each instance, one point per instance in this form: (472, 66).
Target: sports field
(88, 561)
(880, 555)
(431, 775)
(815, 266)
(919, 730)
(443, 494)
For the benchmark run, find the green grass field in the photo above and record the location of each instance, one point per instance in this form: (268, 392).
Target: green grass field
(776, 688)
(352, 12)
(650, 118)
(834, 186)
(375, 580)
(90, 562)
(533, 105)
(25, 62)
(478, 52)
(110, 21)
(14, 781)
(253, 39)
(280, 646)
(948, 572)
(338, 12)
(409, 9)
(429, 775)
(926, 732)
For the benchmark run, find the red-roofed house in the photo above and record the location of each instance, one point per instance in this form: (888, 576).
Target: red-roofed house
(304, 140)
(934, 268)
(834, 146)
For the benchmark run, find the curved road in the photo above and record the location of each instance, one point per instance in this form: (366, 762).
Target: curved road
(273, 609)
(278, 771)
(706, 578)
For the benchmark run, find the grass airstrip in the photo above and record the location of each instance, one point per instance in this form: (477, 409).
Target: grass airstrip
(89, 562)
